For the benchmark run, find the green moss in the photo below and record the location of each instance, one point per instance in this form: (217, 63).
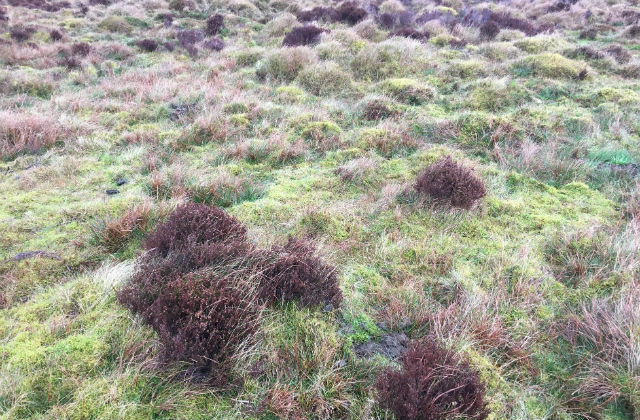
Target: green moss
(549, 65)
(466, 69)
(321, 134)
(235, 108)
(612, 94)
(116, 24)
(239, 120)
(290, 93)
(541, 43)
(492, 98)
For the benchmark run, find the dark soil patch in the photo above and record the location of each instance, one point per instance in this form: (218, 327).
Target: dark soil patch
(391, 346)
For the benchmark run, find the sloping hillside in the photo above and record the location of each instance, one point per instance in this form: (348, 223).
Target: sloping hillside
(429, 209)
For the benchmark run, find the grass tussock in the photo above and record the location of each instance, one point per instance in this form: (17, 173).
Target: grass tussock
(22, 132)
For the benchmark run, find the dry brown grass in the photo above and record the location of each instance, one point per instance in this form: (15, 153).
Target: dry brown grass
(605, 335)
(22, 132)
(115, 232)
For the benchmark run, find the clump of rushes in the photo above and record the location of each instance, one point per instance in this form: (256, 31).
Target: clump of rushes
(447, 180)
(302, 35)
(433, 384)
(214, 24)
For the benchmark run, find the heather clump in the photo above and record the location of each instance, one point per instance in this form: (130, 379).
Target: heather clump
(302, 35)
(448, 180)
(432, 384)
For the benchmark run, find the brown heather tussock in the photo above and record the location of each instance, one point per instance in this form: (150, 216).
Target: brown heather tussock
(294, 272)
(202, 286)
(433, 384)
(214, 24)
(193, 224)
(447, 180)
(302, 35)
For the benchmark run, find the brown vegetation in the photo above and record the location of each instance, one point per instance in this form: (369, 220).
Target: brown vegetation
(302, 35)
(447, 180)
(433, 384)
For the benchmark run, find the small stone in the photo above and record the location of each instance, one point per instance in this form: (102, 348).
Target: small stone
(112, 192)
(121, 181)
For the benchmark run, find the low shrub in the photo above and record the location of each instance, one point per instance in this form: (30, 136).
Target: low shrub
(55, 35)
(202, 317)
(589, 34)
(193, 223)
(619, 53)
(489, 30)
(148, 45)
(155, 272)
(214, 24)
(433, 384)
(294, 272)
(202, 287)
(21, 33)
(447, 180)
(505, 20)
(317, 13)
(81, 48)
(396, 20)
(215, 44)
(324, 79)
(302, 35)
(350, 12)
(189, 37)
(377, 109)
